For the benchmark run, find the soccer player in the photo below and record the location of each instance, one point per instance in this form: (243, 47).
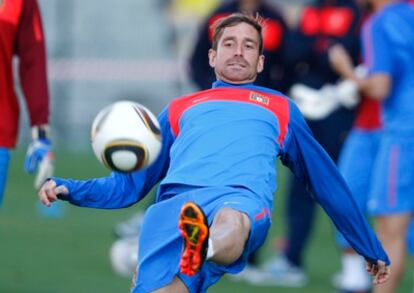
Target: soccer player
(21, 34)
(389, 56)
(217, 172)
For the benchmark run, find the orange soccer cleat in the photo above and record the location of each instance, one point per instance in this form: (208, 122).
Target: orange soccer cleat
(194, 229)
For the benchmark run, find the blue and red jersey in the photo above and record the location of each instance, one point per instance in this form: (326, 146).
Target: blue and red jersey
(21, 34)
(232, 136)
(393, 27)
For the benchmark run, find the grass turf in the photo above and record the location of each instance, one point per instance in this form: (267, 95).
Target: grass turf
(70, 254)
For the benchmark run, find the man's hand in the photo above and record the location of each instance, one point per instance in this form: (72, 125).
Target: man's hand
(49, 192)
(380, 271)
(39, 156)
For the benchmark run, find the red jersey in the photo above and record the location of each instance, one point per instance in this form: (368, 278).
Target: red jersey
(21, 34)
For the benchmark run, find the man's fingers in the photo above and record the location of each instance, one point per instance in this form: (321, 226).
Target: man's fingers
(48, 192)
(44, 200)
(380, 271)
(51, 195)
(372, 269)
(61, 189)
(383, 273)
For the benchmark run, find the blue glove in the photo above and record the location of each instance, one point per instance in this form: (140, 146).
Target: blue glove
(39, 156)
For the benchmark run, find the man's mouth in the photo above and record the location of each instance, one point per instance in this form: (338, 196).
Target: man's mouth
(237, 64)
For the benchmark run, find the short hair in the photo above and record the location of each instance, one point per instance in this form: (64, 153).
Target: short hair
(235, 19)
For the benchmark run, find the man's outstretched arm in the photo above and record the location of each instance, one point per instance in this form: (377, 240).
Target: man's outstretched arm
(309, 162)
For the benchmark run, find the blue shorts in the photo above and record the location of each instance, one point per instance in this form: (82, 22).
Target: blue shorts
(356, 163)
(161, 244)
(4, 165)
(393, 178)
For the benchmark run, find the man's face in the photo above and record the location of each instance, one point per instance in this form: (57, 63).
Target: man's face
(237, 58)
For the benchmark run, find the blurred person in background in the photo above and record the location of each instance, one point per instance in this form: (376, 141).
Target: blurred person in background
(235, 120)
(21, 35)
(274, 75)
(390, 80)
(322, 24)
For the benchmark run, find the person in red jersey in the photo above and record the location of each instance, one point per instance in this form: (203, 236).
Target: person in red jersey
(21, 35)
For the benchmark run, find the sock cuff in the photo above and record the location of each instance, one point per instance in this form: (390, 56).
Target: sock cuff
(210, 249)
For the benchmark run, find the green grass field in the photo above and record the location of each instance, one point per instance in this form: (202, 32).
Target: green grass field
(70, 254)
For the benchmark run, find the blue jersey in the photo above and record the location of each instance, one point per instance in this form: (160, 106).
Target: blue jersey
(388, 48)
(231, 136)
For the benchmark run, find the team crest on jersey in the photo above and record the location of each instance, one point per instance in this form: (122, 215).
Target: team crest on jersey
(255, 97)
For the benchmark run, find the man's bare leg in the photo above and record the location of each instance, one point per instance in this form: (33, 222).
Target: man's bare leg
(229, 233)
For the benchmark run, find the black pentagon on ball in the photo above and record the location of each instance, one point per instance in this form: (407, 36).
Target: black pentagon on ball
(125, 145)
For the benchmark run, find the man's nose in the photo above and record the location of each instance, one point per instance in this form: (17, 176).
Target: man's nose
(238, 51)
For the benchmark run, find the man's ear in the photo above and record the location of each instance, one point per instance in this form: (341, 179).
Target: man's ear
(260, 64)
(212, 57)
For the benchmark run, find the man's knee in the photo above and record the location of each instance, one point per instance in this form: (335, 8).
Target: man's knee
(234, 220)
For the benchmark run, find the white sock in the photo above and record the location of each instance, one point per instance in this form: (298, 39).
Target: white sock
(210, 249)
(354, 274)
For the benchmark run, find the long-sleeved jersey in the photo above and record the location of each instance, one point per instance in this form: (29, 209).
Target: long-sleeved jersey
(231, 136)
(21, 34)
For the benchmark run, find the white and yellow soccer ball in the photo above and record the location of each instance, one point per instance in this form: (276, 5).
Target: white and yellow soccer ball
(126, 136)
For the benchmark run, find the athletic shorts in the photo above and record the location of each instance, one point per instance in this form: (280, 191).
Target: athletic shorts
(356, 163)
(4, 165)
(393, 178)
(161, 244)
